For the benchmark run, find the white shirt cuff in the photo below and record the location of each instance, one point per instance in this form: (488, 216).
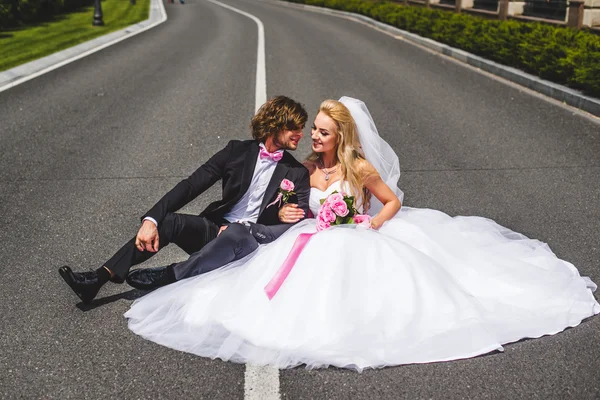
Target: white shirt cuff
(151, 220)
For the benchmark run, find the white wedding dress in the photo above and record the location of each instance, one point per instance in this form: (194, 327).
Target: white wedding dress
(426, 287)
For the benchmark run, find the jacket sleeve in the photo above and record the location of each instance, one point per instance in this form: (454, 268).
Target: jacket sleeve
(303, 190)
(191, 187)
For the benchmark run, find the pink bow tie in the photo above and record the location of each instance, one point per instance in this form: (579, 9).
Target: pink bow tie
(276, 156)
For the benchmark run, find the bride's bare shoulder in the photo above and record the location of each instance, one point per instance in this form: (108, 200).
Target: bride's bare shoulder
(364, 167)
(365, 170)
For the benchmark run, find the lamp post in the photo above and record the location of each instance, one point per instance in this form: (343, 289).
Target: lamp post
(98, 14)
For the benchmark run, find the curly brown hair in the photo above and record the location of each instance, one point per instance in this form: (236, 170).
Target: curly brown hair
(277, 114)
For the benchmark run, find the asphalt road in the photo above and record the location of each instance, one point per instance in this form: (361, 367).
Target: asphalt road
(88, 148)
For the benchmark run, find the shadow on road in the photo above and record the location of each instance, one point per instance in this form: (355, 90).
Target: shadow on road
(128, 295)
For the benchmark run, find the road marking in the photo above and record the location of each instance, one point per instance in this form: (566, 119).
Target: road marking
(261, 73)
(163, 18)
(260, 383)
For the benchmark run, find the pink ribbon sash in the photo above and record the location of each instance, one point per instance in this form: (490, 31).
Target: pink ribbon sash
(283, 271)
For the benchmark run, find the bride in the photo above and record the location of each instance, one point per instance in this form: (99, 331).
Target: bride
(419, 286)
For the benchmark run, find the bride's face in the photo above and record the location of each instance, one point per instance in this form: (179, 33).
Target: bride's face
(323, 134)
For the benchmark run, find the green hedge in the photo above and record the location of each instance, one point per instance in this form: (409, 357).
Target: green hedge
(556, 53)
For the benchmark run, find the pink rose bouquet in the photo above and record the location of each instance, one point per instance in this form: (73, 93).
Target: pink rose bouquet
(338, 209)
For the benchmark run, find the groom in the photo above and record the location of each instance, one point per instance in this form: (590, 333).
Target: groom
(251, 172)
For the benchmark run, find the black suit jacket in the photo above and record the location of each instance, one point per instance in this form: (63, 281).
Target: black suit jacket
(234, 166)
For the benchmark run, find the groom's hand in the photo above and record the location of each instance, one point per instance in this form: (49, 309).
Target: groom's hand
(147, 237)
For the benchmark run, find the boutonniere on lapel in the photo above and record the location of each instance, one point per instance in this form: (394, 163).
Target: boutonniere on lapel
(286, 190)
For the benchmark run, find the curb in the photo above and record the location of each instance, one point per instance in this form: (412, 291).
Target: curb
(24, 72)
(554, 90)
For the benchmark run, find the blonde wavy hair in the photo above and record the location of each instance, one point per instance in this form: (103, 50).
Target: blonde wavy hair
(349, 152)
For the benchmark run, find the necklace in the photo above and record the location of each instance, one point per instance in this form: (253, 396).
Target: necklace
(327, 172)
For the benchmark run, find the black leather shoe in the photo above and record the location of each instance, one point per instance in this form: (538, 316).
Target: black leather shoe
(150, 278)
(84, 284)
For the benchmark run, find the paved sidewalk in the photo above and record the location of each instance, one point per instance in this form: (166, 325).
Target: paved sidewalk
(32, 69)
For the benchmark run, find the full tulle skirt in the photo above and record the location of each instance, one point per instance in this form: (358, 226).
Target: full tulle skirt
(426, 287)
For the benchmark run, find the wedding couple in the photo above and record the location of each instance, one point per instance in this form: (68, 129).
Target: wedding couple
(419, 286)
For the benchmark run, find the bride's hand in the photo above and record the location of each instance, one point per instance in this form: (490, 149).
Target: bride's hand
(290, 213)
(375, 224)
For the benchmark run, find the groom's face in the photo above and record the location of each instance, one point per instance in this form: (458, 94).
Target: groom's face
(288, 140)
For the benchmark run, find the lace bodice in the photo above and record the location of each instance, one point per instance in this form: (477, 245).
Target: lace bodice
(316, 194)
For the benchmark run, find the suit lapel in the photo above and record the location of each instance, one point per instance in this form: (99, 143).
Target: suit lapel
(248, 172)
(280, 172)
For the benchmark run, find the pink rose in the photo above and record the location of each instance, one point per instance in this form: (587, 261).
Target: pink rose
(340, 208)
(287, 185)
(363, 220)
(322, 225)
(334, 198)
(326, 213)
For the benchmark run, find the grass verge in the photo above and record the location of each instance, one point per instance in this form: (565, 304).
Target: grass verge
(30, 42)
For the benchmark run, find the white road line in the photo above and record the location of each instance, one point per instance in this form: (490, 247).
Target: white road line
(261, 73)
(260, 383)
(163, 17)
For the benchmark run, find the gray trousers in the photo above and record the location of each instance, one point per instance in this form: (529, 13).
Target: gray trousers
(235, 242)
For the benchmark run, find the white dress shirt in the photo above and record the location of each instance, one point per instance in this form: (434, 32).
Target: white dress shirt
(248, 207)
